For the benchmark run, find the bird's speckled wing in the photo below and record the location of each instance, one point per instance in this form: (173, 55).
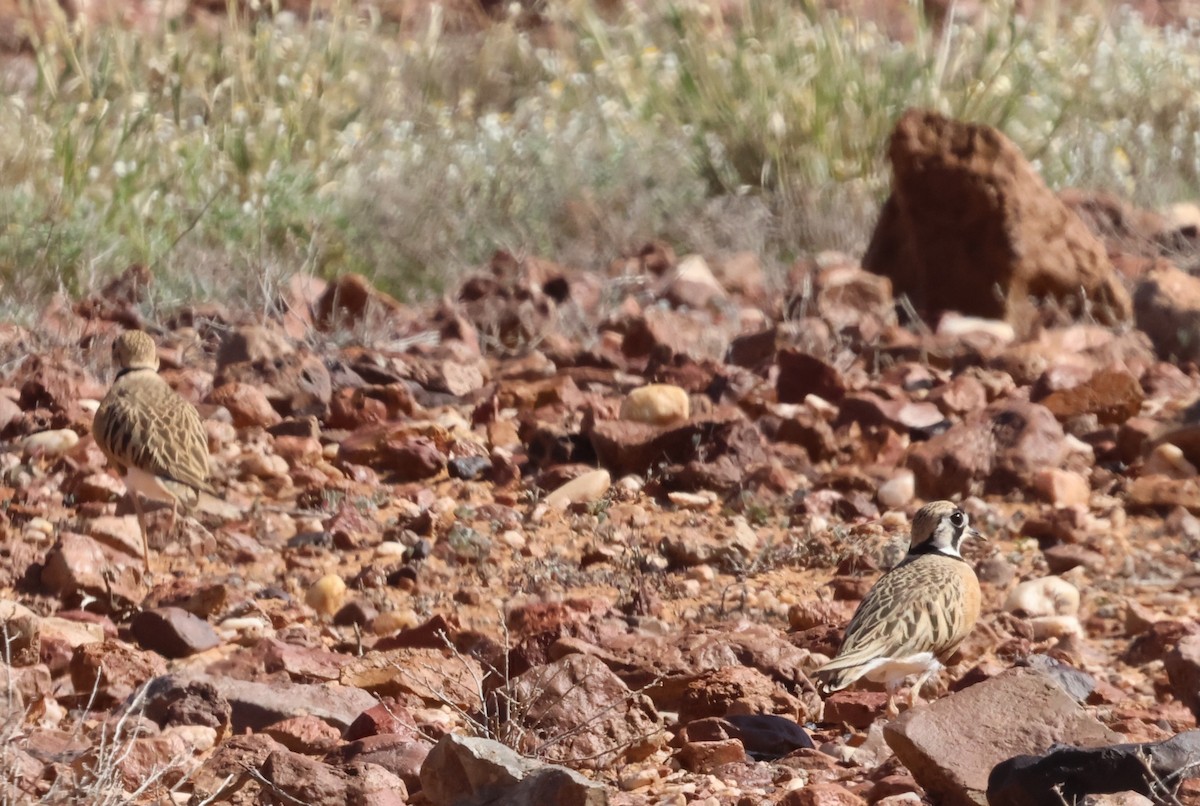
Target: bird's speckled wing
(922, 605)
(143, 422)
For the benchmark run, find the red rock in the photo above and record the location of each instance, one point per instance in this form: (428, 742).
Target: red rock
(296, 385)
(27, 684)
(580, 690)
(1002, 447)
(869, 409)
(1166, 305)
(851, 588)
(118, 299)
(98, 487)
(21, 630)
(302, 664)
(295, 777)
(387, 718)
(849, 298)
(819, 794)
(1112, 395)
(248, 405)
(1060, 559)
(413, 459)
(173, 632)
(298, 450)
(352, 408)
(397, 449)
(801, 374)
(705, 757)
(402, 755)
(737, 689)
(463, 769)
(968, 215)
(199, 597)
(671, 332)
(348, 299)
(78, 565)
(254, 705)
(1059, 525)
(1062, 488)
(112, 670)
(692, 284)
(818, 613)
(118, 532)
(298, 299)
(627, 447)
(428, 674)
(147, 756)
(305, 734)
(53, 382)
(892, 785)
(252, 343)
(856, 708)
(173, 701)
(226, 769)
(1183, 671)
(951, 745)
(23, 772)
(742, 273)
(1162, 492)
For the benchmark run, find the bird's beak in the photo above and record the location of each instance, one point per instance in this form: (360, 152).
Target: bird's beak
(973, 532)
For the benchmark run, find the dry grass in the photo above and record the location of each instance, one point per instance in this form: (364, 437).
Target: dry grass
(228, 161)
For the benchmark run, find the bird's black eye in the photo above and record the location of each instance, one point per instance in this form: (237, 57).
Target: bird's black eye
(958, 519)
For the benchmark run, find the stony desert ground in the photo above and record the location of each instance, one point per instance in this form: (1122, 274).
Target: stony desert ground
(579, 537)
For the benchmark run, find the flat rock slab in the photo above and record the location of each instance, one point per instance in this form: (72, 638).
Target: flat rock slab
(952, 745)
(256, 705)
(468, 771)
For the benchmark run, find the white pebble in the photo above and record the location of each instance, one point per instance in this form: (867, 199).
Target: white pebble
(1048, 596)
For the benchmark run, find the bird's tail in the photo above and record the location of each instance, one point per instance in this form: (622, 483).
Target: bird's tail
(839, 673)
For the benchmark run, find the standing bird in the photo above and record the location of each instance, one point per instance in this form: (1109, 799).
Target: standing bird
(150, 433)
(916, 615)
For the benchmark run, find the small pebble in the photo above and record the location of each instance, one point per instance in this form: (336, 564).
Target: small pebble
(898, 491)
(590, 486)
(1048, 596)
(50, 443)
(694, 501)
(656, 404)
(395, 620)
(638, 778)
(327, 594)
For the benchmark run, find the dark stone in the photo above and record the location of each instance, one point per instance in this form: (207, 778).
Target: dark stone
(469, 468)
(173, 632)
(1076, 682)
(1067, 774)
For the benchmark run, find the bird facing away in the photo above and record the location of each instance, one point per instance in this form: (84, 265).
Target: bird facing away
(153, 436)
(916, 615)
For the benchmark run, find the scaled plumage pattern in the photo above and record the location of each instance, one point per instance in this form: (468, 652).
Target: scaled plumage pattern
(150, 433)
(917, 614)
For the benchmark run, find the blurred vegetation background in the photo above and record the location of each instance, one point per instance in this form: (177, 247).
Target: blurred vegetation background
(229, 157)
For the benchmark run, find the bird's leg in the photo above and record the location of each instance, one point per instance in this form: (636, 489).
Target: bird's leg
(891, 712)
(915, 693)
(141, 516)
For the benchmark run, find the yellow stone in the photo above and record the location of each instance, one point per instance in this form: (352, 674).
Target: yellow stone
(327, 594)
(656, 404)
